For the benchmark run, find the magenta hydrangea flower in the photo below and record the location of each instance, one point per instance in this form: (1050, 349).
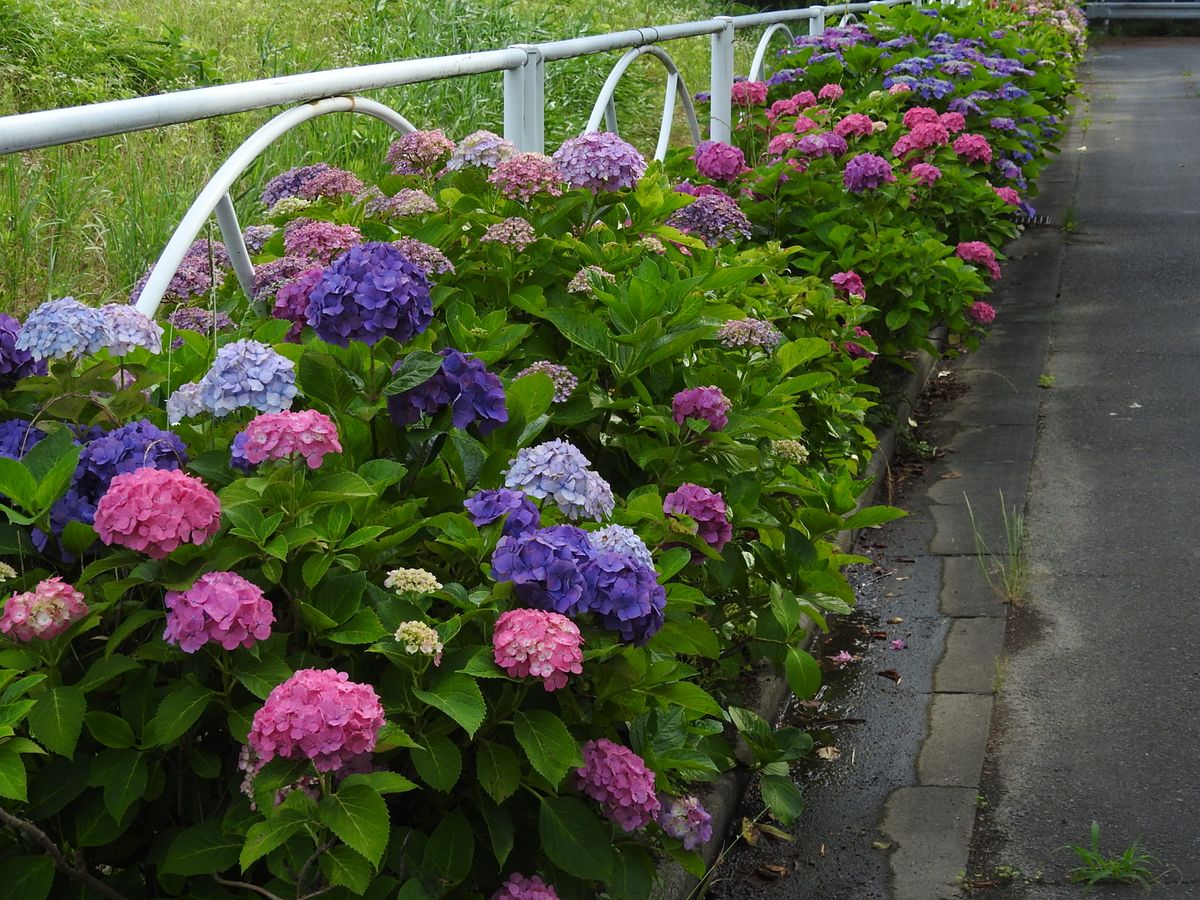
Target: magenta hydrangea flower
(981, 313)
(319, 714)
(599, 161)
(617, 779)
(719, 161)
(526, 175)
(923, 137)
(43, 613)
(757, 334)
(370, 292)
(707, 403)
(855, 350)
(831, 92)
(783, 108)
(331, 184)
(867, 172)
(513, 232)
(546, 645)
(291, 302)
(222, 607)
(564, 382)
(307, 433)
(974, 148)
(425, 256)
(707, 508)
(419, 152)
(317, 240)
(850, 284)
(481, 148)
(782, 143)
(805, 99)
(700, 190)
(926, 173)
(154, 511)
(804, 124)
(686, 820)
(919, 115)
(953, 122)
(1008, 195)
(750, 93)
(522, 887)
(854, 124)
(980, 254)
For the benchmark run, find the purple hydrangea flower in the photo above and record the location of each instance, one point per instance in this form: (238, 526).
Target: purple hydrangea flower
(271, 276)
(714, 218)
(599, 161)
(291, 302)
(463, 383)
(625, 595)
(321, 241)
(129, 329)
(15, 364)
(866, 172)
(558, 471)
(1003, 123)
(195, 277)
(198, 319)
(370, 292)
(405, 202)
(237, 453)
(546, 567)
(419, 152)
(255, 237)
(481, 148)
(822, 143)
(619, 539)
(425, 256)
(247, 373)
(707, 403)
(513, 232)
(18, 437)
(564, 382)
(707, 508)
(289, 183)
(62, 328)
(684, 819)
(756, 333)
(487, 506)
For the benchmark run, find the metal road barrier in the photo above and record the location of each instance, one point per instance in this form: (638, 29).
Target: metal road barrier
(335, 90)
(1180, 9)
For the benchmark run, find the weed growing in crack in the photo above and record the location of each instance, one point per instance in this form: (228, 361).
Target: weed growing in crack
(1046, 381)
(1007, 572)
(1131, 867)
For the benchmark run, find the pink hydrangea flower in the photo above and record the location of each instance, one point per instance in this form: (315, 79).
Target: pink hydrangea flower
(973, 147)
(803, 124)
(419, 152)
(321, 241)
(953, 122)
(514, 232)
(805, 99)
(781, 108)
(526, 175)
(319, 714)
(708, 510)
(309, 433)
(707, 403)
(900, 87)
(926, 173)
(1008, 195)
(850, 284)
(718, 161)
(856, 350)
(822, 143)
(855, 124)
(332, 184)
(523, 887)
(749, 93)
(981, 313)
(831, 92)
(153, 511)
(980, 254)
(617, 779)
(546, 645)
(922, 137)
(919, 115)
(43, 613)
(222, 607)
(782, 143)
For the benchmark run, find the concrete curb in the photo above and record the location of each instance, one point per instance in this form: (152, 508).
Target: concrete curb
(725, 795)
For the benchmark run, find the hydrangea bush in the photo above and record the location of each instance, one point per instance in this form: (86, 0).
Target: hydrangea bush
(431, 572)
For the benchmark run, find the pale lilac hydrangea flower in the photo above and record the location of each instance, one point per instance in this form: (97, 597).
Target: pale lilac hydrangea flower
(221, 607)
(248, 373)
(269, 277)
(481, 148)
(62, 328)
(43, 613)
(525, 887)
(184, 403)
(331, 184)
(546, 645)
(706, 403)
(419, 152)
(564, 382)
(425, 256)
(255, 237)
(617, 779)
(599, 161)
(289, 183)
(154, 511)
(513, 232)
(319, 714)
(753, 333)
(129, 329)
(686, 820)
(581, 281)
(619, 539)
(307, 433)
(526, 175)
(557, 470)
(405, 202)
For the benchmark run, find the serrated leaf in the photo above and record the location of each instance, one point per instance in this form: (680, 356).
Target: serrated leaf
(547, 743)
(109, 730)
(105, 669)
(450, 851)
(124, 775)
(439, 763)
(498, 770)
(201, 850)
(383, 782)
(358, 815)
(265, 836)
(574, 839)
(459, 697)
(342, 866)
(361, 628)
(12, 774)
(57, 719)
(414, 370)
(177, 713)
(782, 797)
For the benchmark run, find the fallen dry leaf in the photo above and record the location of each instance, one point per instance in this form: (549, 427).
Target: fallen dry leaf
(750, 832)
(829, 753)
(774, 871)
(895, 620)
(952, 475)
(903, 577)
(821, 851)
(778, 833)
(890, 673)
(881, 845)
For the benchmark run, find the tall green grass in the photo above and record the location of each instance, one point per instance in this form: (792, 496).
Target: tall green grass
(87, 219)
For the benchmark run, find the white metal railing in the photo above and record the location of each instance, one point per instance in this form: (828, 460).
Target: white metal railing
(524, 72)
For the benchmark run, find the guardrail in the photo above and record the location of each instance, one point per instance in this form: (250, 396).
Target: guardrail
(321, 93)
(1180, 9)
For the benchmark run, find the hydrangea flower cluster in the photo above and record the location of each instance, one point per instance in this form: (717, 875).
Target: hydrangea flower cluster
(221, 607)
(184, 403)
(564, 382)
(425, 256)
(617, 779)
(855, 124)
(526, 175)
(831, 92)
(619, 539)
(521, 887)
(412, 581)
(625, 595)
(43, 613)
(707, 403)
(417, 637)
(198, 319)
(405, 202)
(980, 254)
(319, 714)
(713, 218)
(62, 328)
(271, 276)
(481, 148)
(684, 819)
(291, 302)
(15, 364)
(599, 161)
(202, 269)
(419, 152)
(926, 173)
(289, 207)
(255, 237)
(545, 566)
(856, 350)
(7, 573)
(290, 183)
(558, 471)
(791, 450)
(331, 184)
(129, 329)
(154, 511)
(18, 437)
(319, 240)
(719, 161)
(850, 284)
(757, 334)
(581, 281)
(867, 172)
(974, 148)
(546, 645)
(513, 232)
(981, 313)
(750, 93)
(518, 511)
(308, 433)
(370, 292)
(707, 508)
(248, 373)
(474, 395)
(1008, 195)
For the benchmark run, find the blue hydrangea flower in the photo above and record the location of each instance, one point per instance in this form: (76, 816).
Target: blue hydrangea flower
(62, 328)
(487, 506)
(237, 453)
(546, 567)
(619, 539)
(558, 471)
(18, 437)
(247, 373)
(15, 364)
(625, 595)
(128, 329)
(370, 292)
(473, 393)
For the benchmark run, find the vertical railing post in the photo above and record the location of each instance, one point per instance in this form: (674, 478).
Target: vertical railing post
(515, 96)
(721, 84)
(535, 101)
(816, 25)
(524, 101)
